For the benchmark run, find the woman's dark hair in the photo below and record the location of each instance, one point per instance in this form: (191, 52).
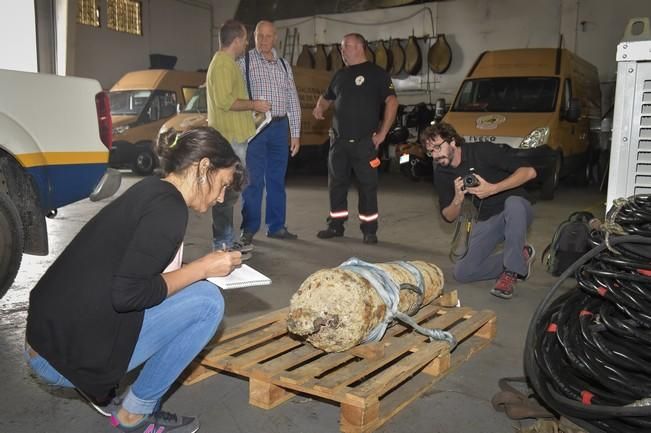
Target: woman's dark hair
(178, 151)
(443, 130)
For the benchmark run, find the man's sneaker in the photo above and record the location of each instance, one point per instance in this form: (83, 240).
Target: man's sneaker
(105, 410)
(241, 247)
(246, 238)
(370, 238)
(529, 254)
(505, 285)
(330, 232)
(283, 233)
(160, 422)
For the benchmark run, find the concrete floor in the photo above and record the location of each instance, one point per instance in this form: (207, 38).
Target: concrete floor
(410, 228)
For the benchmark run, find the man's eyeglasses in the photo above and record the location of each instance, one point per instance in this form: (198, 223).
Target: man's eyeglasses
(431, 147)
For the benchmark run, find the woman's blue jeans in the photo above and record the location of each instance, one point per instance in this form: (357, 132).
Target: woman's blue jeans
(172, 334)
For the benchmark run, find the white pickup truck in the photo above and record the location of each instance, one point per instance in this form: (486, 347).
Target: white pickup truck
(55, 136)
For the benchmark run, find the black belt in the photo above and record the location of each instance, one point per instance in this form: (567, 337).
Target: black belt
(277, 118)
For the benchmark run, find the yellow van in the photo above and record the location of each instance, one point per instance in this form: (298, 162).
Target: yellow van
(194, 115)
(542, 101)
(141, 101)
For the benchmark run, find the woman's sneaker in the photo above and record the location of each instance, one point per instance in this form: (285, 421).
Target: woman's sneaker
(160, 422)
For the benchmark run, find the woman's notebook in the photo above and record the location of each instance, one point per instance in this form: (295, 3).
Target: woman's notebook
(244, 276)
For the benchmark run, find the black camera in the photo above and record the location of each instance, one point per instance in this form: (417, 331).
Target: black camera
(470, 181)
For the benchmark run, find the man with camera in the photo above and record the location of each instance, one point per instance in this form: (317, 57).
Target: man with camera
(492, 179)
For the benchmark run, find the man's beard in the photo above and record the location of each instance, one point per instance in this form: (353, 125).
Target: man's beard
(443, 161)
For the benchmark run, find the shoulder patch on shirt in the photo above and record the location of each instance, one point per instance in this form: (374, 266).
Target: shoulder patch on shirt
(359, 80)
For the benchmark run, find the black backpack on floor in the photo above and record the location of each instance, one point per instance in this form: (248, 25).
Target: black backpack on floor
(570, 241)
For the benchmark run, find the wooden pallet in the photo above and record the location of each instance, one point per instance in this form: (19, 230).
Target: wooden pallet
(372, 382)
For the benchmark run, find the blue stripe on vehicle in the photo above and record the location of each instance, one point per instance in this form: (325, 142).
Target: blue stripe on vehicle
(59, 185)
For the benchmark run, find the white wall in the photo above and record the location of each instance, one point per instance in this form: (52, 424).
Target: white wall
(473, 26)
(18, 25)
(178, 28)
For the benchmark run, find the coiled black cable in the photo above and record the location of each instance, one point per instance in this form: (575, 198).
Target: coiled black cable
(588, 353)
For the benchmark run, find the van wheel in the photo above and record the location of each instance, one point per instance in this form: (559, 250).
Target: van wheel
(550, 184)
(144, 163)
(11, 243)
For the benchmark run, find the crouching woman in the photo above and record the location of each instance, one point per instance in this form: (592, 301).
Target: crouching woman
(114, 300)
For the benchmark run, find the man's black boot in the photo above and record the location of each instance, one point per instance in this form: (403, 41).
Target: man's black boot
(330, 232)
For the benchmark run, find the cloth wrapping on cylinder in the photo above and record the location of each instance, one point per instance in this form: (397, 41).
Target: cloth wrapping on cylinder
(337, 309)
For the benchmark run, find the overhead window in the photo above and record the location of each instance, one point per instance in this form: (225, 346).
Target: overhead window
(88, 12)
(125, 16)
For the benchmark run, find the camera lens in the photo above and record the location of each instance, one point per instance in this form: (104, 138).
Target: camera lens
(470, 181)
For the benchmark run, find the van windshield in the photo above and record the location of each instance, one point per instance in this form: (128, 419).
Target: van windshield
(508, 94)
(128, 102)
(197, 104)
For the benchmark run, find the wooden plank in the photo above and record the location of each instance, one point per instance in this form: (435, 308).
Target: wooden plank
(372, 350)
(394, 348)
(489, 330)
(246, 341)
(266, 395)
(416, 386)
(394, 375)
(290, 359)
(247, 326)
(194, 373)
(448, 299)
(356, 418)
(309, 371)
(306, 373)
(240, 364)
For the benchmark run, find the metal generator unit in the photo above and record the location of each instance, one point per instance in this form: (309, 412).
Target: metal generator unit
(630, 157)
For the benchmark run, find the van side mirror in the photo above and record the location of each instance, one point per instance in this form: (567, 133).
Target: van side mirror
(573, 111)
(439, 109)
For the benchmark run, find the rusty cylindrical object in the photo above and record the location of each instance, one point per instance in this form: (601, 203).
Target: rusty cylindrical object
(337, 309)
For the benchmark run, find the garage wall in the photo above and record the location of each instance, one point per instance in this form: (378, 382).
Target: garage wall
(178, 28)
(591, 28)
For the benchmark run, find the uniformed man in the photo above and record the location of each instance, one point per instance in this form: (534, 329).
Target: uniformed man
(359, 92)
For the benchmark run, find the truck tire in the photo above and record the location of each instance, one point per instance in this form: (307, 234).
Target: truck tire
(11, 243)
(144, 162)
(551, 182)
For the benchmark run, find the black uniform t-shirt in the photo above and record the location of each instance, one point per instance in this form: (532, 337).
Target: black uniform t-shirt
(359, 92)
(86, 312)
(492, 161)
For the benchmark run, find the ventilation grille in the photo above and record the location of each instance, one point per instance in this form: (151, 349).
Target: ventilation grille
(643, 162)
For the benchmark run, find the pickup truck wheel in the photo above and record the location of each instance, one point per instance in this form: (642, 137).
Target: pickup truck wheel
(11, 243)
(550, 184)
(144, 163)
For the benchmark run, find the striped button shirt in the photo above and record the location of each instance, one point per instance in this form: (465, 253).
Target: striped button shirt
(271, 82)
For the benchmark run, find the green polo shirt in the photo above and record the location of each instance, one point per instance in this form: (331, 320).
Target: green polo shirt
(224, 85)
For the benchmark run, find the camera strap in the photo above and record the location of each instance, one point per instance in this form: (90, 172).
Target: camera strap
(463, 229)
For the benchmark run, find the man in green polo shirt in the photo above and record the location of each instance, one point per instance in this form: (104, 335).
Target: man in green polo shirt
(230, 113)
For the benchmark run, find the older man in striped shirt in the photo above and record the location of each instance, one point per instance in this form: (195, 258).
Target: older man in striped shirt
(270, 78)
